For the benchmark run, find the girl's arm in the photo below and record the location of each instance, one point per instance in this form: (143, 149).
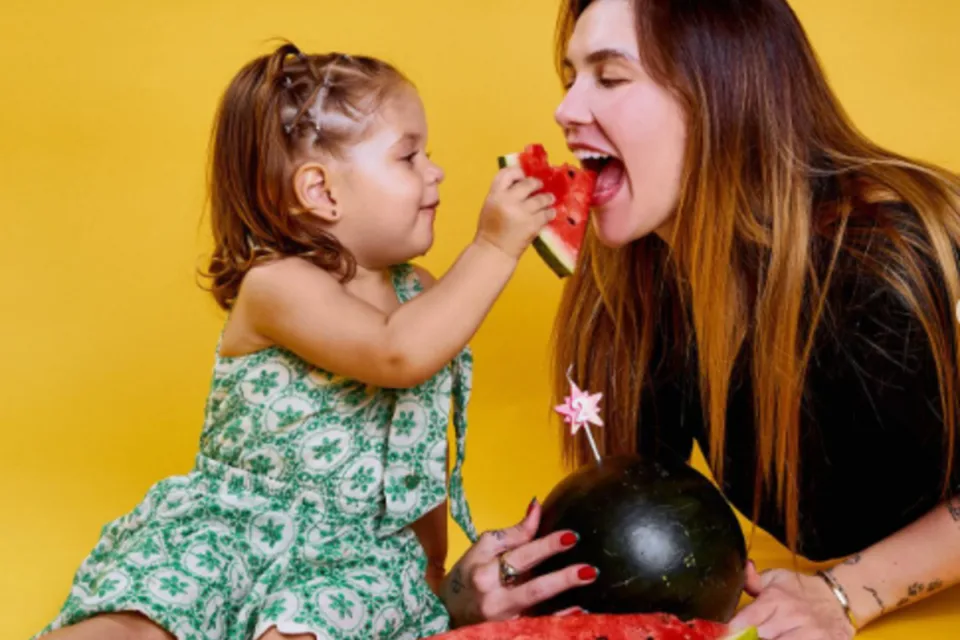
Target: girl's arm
(431, 530)
(305, 309)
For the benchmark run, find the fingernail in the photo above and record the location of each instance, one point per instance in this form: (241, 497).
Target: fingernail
(587, 573)
(569, 539)
(533, 503)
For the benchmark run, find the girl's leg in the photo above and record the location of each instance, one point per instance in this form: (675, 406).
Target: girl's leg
(112, 626)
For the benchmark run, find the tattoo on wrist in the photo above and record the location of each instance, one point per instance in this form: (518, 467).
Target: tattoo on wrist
(456, 582)
(499, 534)
(915, 589)
(935, 585)
(876, 596)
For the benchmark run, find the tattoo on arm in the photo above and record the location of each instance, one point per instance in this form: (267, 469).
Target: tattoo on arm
(912, 592)
(499, 534)
(876, 596)
(917, 589)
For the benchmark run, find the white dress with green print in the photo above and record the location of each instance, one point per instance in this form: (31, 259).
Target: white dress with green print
(296, 513)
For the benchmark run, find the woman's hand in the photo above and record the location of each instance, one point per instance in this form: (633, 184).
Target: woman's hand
(473, 591)
(792, 606)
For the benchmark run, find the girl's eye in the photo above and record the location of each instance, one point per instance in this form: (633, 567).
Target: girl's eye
(410, 157)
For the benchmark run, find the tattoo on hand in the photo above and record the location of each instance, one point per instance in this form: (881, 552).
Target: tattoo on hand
(499, 535)
(876, 596)
(456, 582)
(915, 589)
(902, 602)
(934, 586)
(953, 506)
(854, 559)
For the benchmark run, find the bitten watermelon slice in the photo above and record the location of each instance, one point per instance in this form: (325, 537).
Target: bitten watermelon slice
(559, 242)
(596, 627)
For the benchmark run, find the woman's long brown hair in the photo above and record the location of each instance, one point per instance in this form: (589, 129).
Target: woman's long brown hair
(278, 110)
(763, 126)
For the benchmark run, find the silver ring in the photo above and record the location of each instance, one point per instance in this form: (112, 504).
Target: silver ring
(508, 573)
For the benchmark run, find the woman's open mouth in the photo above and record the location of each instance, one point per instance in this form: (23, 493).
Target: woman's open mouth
(610, 174)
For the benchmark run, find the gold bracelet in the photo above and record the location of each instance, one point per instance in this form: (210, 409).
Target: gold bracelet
(840, 595)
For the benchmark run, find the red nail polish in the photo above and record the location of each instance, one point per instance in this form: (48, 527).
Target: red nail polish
(587, 573)
(569, 539)
(533, 503)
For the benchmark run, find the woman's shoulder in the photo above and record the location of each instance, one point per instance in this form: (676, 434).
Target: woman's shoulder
(886, 284)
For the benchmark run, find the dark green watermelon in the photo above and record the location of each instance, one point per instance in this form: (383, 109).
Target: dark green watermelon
(661, 535)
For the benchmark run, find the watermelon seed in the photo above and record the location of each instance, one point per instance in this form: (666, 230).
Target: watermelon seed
(572, 222)
(572, 174)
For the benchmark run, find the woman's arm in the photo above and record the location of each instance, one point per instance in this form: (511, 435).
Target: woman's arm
(906, 567)
(917, 561)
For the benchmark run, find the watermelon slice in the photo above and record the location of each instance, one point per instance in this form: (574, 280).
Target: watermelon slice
(559, 242)
(648, 626)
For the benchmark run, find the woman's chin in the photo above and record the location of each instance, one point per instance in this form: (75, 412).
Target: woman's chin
(615, 228)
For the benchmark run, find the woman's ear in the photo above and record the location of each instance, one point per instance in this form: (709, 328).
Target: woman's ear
(314, 193)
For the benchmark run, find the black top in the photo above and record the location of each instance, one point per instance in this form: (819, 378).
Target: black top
(872, 440)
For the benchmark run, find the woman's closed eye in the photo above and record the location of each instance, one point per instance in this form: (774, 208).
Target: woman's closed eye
(609, 82)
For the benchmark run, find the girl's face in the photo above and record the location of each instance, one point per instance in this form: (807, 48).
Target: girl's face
(623, 125)
(385, 188)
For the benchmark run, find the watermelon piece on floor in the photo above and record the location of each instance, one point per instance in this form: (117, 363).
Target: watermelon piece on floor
(648, 626)
(558, 244)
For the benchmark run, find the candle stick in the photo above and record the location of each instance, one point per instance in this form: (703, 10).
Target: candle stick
(579, 410)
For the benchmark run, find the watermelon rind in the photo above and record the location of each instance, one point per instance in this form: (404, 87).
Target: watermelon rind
(548, 246)
(509, 160)
(551, 250)
(750, 633)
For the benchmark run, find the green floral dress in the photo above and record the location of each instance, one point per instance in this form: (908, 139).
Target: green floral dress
(296, 513)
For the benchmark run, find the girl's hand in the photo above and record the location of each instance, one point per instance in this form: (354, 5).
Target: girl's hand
(792, 606)
(473, 591)
(512, 215)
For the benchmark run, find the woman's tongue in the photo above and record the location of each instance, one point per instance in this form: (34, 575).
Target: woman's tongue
(609, 181)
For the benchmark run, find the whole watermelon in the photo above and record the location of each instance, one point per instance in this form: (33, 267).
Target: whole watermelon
(661, 535)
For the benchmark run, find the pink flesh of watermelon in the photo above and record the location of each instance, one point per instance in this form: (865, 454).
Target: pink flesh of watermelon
(594, 626)
(560, 241)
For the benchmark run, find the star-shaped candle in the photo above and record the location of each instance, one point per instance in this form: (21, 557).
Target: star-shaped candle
(580, 409)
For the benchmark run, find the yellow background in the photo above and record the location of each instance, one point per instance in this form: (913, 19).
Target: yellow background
(106, 340)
